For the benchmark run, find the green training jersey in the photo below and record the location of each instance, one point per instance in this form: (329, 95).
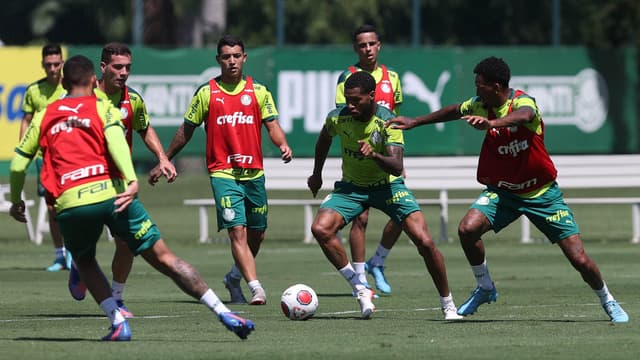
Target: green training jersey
(475, 106)
(40, 94)
(140, 118)
(198, 109)
(355, 168)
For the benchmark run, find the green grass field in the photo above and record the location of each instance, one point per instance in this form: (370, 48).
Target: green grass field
(544, 309)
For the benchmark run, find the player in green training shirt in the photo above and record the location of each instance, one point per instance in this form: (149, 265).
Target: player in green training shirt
(89, 177)
(366, 43)
(37, 96)
(372, 163)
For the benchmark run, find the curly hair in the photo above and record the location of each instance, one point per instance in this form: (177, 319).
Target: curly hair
(494, 69)
(362, 80)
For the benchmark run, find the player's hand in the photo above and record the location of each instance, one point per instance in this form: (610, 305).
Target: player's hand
(401, 122)
(164, 168)
(18, 210)
(285, 153)
(478, 122)
(365, 149)
(126, 197)
(314, 182)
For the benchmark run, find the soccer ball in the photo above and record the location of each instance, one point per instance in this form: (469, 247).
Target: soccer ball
(299, 302)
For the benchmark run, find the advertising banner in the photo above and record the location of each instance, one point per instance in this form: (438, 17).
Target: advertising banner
(587, 97)
(20, 67)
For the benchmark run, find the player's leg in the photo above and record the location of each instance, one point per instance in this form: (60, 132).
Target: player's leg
(121, 267)
(230, 213)
(416, 228)
(573, 249)
(245, 262)
(325, 229)
(62, 256)
(256, 213)
(357, 240)
(375, 265)
(480, 218)
(191, 283)
(553, 217)
(258, 294)
(143, 237)
(81, 227)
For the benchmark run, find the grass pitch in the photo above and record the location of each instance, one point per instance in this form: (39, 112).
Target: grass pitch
(544, 309)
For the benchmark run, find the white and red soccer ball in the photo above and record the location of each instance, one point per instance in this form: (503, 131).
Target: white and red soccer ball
(299, 302)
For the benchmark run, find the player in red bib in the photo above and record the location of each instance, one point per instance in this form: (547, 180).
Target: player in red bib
(520, 179)
(388, 93)
(90, 178)
(233, 109)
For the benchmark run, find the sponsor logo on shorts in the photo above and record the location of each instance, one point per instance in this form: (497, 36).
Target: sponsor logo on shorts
(398, 196)
(260, 210)
(558, 216)
(144, 228)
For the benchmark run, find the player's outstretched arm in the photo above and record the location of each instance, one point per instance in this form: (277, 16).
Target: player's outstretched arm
(278, 138)
(323, 144)
(180, 139)
(447, 113)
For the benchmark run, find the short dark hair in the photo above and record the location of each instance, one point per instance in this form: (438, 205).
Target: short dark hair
(494, 69)
(367, 28)
(114, 48)
(77, 71)
(229, 40)
(51, 49)
(362, 80)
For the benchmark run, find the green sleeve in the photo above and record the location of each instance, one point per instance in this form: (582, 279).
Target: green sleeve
(18, 171)
(119, 150)
(140, 114)
(268, 108)
(198, 109)
(27, 103)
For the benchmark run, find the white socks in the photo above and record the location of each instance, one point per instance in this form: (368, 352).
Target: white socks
(350, 275)
(254, 284)
(447, 302)
(117, 289)
(110, 308)
(481, 272)
(358, 267)
(604, 294)
(211, 300)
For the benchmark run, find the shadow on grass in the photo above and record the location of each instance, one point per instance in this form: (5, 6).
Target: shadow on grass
(65, 339)
(35, 269)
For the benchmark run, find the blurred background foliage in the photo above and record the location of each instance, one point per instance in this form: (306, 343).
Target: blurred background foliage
(198, 23)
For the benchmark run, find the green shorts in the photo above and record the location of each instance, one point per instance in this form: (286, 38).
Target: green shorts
(240, 203)
(548, 212)
(393, 199)
(82, 226)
